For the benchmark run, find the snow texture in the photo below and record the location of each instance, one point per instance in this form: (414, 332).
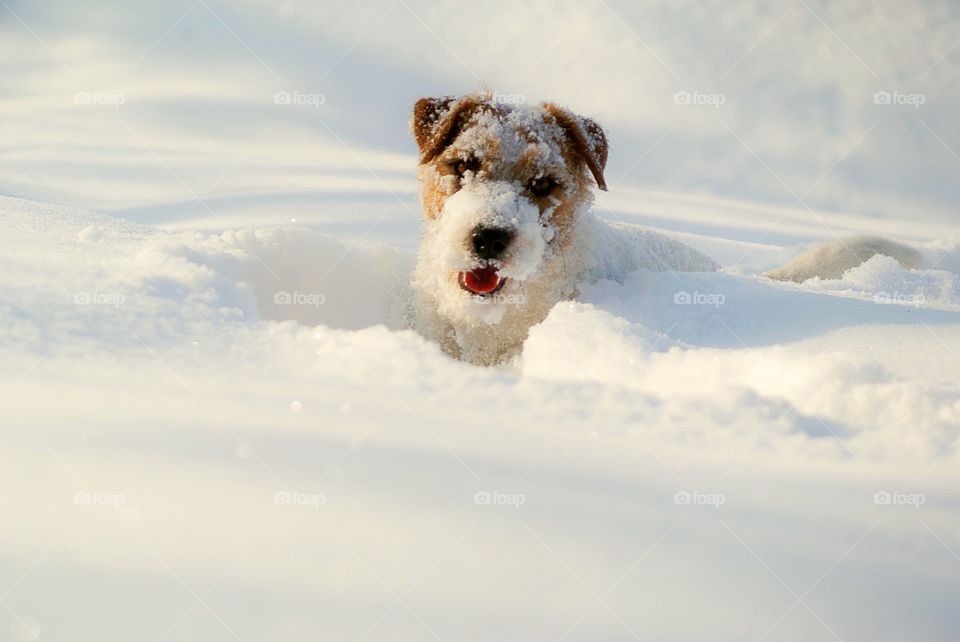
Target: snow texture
(215, 426)
(172, 414)
(832, 260)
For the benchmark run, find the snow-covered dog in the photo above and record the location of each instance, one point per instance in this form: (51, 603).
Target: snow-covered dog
(506, 192)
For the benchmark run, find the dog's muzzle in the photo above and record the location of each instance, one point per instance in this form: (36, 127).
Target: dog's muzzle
(489, 244)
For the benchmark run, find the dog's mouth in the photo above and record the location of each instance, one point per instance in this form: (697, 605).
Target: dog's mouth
(482, 281)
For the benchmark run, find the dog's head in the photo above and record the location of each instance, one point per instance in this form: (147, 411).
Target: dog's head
(501, 187)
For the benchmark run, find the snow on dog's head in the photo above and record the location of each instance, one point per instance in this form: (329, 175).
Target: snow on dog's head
(501, 187)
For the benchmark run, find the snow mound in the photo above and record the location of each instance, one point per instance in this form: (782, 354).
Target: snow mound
(702, 338)
(252, 394)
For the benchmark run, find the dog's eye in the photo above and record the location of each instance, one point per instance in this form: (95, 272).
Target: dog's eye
(541, 186)
(464, 165)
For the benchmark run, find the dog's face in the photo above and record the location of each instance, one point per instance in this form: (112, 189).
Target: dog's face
(502, 187)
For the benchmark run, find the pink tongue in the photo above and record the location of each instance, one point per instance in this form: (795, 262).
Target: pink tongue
(482, 280)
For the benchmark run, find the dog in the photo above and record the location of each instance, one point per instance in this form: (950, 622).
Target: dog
(506, 192)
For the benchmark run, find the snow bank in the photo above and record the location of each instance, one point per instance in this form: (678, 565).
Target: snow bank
(673, 444)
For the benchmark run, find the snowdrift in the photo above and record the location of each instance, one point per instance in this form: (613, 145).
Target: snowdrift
(209, 433)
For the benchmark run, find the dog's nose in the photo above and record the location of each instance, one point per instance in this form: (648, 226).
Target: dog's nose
(491, 242)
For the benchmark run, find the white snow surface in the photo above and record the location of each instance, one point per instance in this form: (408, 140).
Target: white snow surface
(214, 426)
(187, 453)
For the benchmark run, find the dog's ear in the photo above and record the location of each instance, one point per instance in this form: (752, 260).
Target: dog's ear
(438, 121)
(588, 139)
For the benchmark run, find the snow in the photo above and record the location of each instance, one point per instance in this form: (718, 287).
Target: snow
(832, 260)
(216, 426)
(495, 205)
(318, 460)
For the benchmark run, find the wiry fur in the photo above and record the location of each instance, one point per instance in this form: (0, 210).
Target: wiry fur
(557, 244)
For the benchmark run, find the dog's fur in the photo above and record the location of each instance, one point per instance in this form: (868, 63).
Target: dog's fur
(527, 173)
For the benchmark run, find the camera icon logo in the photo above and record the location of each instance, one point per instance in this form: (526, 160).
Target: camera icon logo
(682, 298)
(282, 98)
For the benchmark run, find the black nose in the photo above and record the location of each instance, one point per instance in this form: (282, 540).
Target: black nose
(491, 242)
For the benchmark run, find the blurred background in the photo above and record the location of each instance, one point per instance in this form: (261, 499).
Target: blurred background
(201, 113)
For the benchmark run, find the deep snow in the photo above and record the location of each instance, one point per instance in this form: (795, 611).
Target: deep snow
(172, 425)
(213, 426)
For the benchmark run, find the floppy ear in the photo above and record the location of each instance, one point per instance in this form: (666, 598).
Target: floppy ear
(588, 138)
(437, 121)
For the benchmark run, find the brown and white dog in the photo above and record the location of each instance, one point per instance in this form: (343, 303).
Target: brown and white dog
(506, 192)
